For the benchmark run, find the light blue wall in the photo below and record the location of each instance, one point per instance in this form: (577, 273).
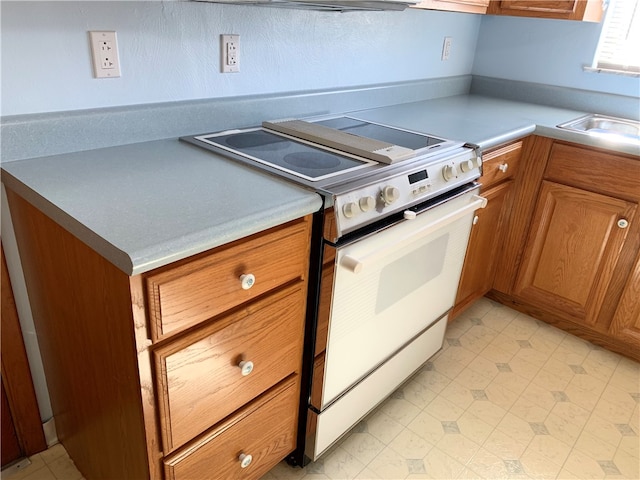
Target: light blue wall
(545, 51)
(170, 51)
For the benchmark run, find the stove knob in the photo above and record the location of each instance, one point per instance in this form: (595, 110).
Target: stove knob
(479, 161)
(389, 194)
(367, 203)
(449, 172)
(467, 166)
(350, 209)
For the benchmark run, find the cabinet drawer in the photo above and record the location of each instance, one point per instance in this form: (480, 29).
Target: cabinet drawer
(265, 429)
(607, 173)
(500, 164)
(199, 380)
(183, 296)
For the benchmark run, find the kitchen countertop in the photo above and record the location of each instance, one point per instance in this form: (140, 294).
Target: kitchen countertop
(145, 205)
(487, 121)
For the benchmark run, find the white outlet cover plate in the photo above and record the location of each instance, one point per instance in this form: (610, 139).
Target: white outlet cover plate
(104, 51)
(230, 53)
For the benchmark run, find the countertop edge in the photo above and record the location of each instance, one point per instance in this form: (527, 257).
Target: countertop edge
(222, 234)
(148, 259)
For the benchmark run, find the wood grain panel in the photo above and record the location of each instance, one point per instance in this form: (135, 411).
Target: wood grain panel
(626, 321)
(535, 152)
(11, 450)
(586, 10)
(500, 164)
(324, 308)
(81, 306)
(183, 296)
(21, 396)
(485, 244)
(199, 380)
(464, 6)
(330, 229)
(573, 248)
(265, 429)
(613, 174)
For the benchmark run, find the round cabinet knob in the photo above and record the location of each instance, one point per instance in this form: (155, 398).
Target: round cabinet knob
(449, 172)
(246, 367)
(247, 281)
(623, 223)
(467, 166)
(389, 194)
(475, 219)
(367, 203)
(350, 209)
(245, 460)
(503, 168)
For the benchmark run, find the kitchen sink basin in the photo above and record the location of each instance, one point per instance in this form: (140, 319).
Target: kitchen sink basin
(616, 129)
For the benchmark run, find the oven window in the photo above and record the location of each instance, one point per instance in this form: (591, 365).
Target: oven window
(410, 272)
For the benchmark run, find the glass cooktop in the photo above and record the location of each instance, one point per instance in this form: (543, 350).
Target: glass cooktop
(309, 161)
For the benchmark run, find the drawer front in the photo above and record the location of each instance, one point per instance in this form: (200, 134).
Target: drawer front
(199, 380)
(265, 429)
(608, 173)
(500, 164)
(183, 296)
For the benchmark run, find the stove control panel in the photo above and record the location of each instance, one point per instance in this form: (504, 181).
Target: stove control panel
(404, 189)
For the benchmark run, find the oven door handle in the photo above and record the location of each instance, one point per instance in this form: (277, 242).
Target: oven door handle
(356, 265)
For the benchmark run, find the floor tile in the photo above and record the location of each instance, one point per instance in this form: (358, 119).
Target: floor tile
(363, 446)
(505, 446)
(458, 447)
(341, 465)
(549, 447)
(539, 466)
(410, 445)
(389, 464)
(439, 464)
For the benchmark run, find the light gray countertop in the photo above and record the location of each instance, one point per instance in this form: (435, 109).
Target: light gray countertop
(145, 205)
(487, 121)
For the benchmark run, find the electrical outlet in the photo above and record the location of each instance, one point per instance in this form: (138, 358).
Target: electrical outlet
(229, 53)
(104, 50)
(446, 48)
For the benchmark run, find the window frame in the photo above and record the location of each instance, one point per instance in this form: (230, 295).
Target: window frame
(602, 62)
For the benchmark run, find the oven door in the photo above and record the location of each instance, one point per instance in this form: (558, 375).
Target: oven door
(392, 291)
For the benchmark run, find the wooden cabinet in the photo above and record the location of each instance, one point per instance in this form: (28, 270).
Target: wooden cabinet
(22, 433)
(572, 251)
(499, 169)
(465, 6)
(584, 10)
(626, 321)
(178, 372)
(572, 255)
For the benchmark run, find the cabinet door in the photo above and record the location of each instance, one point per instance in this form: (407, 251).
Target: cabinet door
(626, 321)
(572, 251)
(486, 235)
(587, 10)
(465, 6)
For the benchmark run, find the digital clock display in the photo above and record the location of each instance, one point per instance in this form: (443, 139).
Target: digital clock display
(418, 176)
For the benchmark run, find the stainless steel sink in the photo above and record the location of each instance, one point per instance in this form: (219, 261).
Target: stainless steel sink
(620, 129)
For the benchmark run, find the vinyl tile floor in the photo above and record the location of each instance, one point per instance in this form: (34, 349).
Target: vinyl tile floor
(508, 397)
